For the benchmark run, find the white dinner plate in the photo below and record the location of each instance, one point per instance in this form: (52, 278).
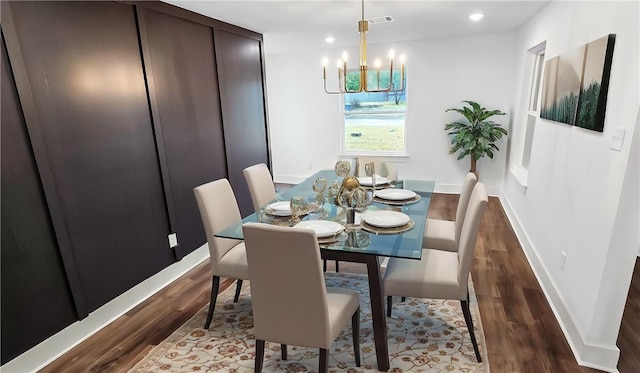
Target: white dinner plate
(366, 181)
(282, 208)
(395, 194)
(385, 218)
(323, 228)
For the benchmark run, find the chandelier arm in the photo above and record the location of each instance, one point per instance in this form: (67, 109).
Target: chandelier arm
(363, 27)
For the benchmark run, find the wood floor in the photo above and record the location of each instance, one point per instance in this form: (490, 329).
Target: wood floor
(629, 337)
(521, 331)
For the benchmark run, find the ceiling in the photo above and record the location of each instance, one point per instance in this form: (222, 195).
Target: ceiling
(303, 24)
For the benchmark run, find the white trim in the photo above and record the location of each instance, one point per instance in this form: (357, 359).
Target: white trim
(522, 177)
(599, 357)
(392, 157)
(55, 346)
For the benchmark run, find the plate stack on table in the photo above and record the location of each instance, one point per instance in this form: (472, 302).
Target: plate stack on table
(381, 182)
(326, 231)
(386, 222)
(396, 197)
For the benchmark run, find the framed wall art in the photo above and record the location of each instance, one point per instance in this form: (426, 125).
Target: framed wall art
(575, 85)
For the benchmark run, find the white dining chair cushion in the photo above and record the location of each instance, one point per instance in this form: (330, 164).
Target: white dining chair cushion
(445, 234)
(234, 263)
(434, 276)
(260, 185)
(382, 168)
(470, 182)
(290, 301)
(342, 304)
(218, 210)
(440, 234)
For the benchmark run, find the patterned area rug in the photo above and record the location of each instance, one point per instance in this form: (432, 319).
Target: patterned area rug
(424, 336)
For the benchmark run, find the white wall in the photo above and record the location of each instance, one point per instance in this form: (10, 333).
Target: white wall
(575, 197)
(305, 122)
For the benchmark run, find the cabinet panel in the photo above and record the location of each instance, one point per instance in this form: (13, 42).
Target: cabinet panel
(85, 76)
(180, 61)
(243, 113)
(36, 300)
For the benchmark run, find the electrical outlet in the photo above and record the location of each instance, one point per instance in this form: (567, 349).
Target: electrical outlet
(563, 259)
(173, 240)
(309, 166)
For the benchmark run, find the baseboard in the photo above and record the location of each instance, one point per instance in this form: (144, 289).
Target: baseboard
(55, 346)
(457, 188)
(593, 356)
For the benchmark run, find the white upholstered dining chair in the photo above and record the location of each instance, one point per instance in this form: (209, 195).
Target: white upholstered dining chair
(291, 304)
(263, 191)
(260, 184)
(218, 210)
(441, 274)
(445, 234)
(382, 168)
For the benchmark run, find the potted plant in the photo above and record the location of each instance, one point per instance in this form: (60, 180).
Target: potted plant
(476, 136)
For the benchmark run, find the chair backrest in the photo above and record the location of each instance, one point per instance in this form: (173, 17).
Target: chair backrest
(465, 194)
(218, 210)
(477, 204)
(382, 167)
(288, 294)
(260, 184)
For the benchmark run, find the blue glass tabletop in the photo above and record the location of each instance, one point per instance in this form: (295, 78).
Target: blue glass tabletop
(382, 242)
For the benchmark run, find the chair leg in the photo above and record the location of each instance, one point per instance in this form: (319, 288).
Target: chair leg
(355, 333)
(467, 318)
(283, 351)
(337, 267)
(324, 361)
(238, 288)
(259, 356)
(324, 267)
(389, 304)
(215, 284)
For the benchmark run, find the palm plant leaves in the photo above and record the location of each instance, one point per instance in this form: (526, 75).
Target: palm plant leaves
(476, 136)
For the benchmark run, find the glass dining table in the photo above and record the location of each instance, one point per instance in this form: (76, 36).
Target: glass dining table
(364, 245)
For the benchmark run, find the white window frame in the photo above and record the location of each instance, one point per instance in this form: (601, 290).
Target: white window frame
(533, 80)
(376, 153)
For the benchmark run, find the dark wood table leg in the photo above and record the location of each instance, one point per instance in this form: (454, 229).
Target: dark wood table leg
(377, 312)
(377, 299)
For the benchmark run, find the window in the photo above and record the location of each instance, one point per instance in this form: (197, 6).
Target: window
(532, 85)
(374, 122)
(534, 95)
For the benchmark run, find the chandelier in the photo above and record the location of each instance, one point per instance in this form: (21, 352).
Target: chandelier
(363, 27)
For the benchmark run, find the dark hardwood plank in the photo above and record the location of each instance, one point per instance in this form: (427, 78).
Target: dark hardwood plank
(629, 337)
(531, 342)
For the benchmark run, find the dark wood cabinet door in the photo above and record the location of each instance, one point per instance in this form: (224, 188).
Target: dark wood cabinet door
(86, 80)
(180, 62)
(36, 300)
(243, 113)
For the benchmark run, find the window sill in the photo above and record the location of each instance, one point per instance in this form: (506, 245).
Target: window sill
(396, 158)
(522, 177)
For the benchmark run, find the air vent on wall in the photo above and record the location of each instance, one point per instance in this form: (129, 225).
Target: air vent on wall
(376, 20)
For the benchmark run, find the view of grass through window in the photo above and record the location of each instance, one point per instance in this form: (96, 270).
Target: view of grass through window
(374, 121)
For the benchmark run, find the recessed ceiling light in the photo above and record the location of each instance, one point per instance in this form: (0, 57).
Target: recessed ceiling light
(476, 16)
(329, 39)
